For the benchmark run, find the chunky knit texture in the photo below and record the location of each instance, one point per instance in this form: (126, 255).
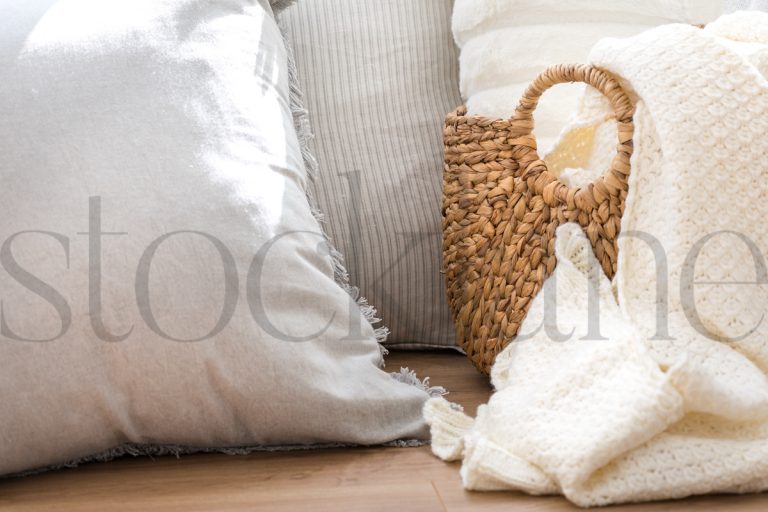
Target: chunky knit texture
(667, 401)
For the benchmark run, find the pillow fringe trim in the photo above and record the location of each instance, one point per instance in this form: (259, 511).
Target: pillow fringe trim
(163, 450)
(306, 135)
(405, 376)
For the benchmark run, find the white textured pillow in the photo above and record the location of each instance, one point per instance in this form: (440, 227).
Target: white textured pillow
(506, 43)
(162, 278)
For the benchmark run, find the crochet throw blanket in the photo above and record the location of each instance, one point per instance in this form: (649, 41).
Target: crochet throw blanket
(653, 386)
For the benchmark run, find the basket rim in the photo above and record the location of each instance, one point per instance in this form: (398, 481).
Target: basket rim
(612, 181)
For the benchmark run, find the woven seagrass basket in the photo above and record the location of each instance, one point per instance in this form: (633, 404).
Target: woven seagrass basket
(501, 207)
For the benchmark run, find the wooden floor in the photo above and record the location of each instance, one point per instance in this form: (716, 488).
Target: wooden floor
(391, 479)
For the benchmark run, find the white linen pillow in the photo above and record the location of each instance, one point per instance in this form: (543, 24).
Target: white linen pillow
(378, 79)
(162, 278)
(505, 43)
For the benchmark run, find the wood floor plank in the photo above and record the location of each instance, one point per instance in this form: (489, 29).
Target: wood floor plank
(338, 479)
(360, 479)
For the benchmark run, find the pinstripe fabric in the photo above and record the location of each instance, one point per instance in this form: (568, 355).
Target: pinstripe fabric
(378, 77)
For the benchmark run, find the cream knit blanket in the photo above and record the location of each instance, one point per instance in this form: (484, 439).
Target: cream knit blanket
(660, 391)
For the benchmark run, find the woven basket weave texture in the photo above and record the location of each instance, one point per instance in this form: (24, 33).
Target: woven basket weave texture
(501, 207)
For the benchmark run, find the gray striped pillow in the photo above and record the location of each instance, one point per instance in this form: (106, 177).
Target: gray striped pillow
(378, 78)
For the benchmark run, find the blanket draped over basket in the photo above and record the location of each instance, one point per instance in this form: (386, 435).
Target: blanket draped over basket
(652, 386)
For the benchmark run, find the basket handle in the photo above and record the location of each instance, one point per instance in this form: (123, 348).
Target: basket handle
(522, 120)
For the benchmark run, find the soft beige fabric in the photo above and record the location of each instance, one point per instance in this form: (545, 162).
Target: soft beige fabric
(161, 117)
(652, 410)
(378, 79)
(506, 43)
(743, 5)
